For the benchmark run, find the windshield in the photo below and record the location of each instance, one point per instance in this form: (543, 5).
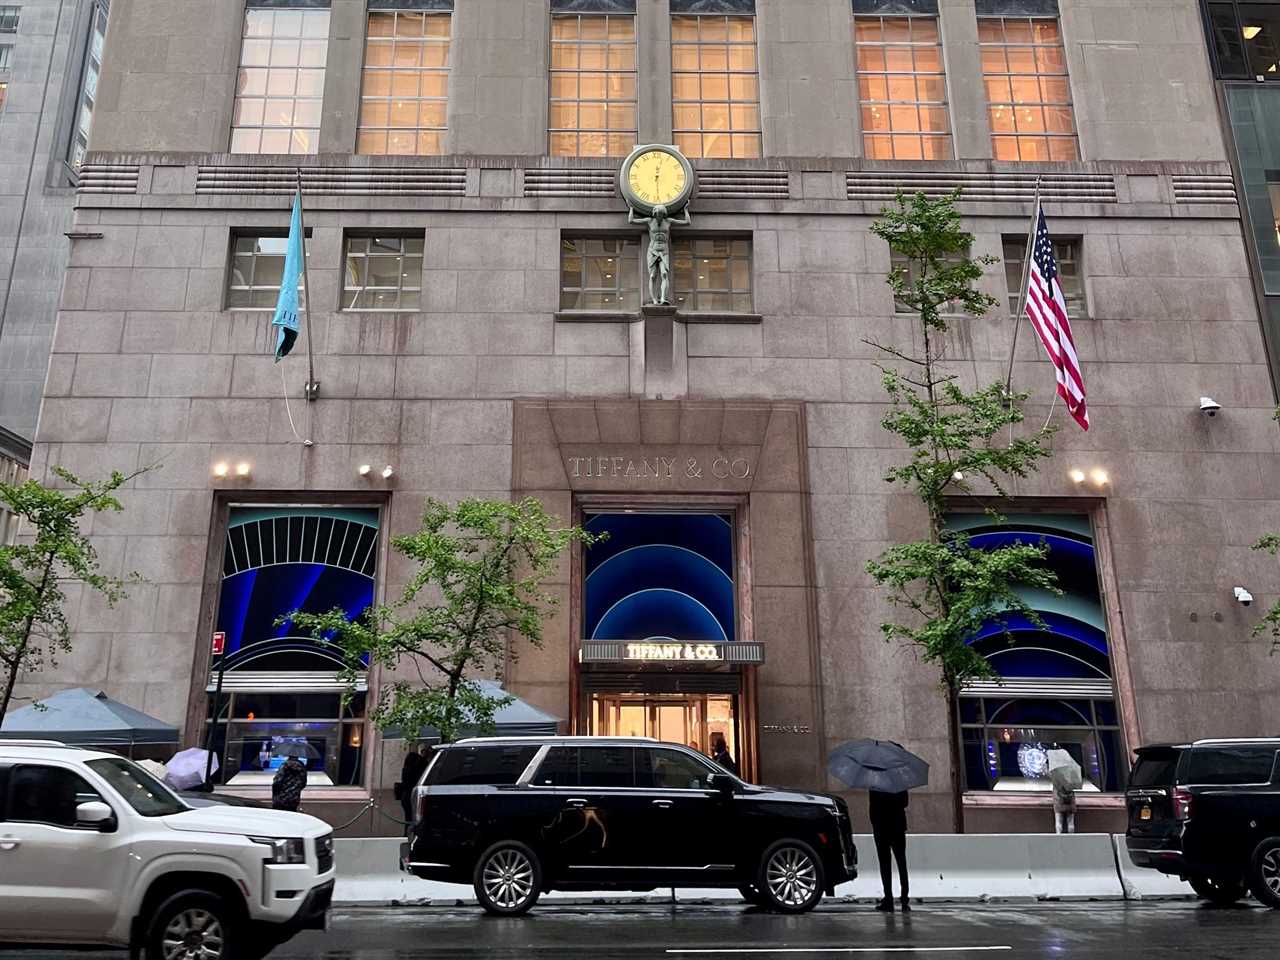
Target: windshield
(147, 795)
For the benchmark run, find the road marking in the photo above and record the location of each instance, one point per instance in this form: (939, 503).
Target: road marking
(741, 950)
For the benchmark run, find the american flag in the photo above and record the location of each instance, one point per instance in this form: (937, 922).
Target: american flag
(1047, 308)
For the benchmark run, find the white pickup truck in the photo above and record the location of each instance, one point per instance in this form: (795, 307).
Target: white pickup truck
(96, 851)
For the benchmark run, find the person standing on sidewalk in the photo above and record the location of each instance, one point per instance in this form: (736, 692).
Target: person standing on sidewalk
(889, 827)
(287, 786)
(415, 762)
(1064, 808)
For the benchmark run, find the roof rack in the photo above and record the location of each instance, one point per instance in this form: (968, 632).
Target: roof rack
(553, 737)
(1221, 740)
(16, 742)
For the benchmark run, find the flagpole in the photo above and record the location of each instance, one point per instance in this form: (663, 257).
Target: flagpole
(312, 389)
(1022, 293)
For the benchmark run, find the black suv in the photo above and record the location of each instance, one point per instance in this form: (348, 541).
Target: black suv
(519, 816)
(1209, 812)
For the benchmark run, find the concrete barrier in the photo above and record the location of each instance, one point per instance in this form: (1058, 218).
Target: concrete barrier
(1141, 883)
(943, 867)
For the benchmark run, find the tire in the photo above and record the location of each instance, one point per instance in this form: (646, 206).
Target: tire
(789, 877)
(1264, 872)
(507, 879)
(194, 925)
(751, 895)
(1222, 893)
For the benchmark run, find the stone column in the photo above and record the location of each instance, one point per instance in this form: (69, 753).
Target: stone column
(343, 64)
(653, 70)
(966, 93)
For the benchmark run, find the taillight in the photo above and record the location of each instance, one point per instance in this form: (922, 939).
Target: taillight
(1181, 804)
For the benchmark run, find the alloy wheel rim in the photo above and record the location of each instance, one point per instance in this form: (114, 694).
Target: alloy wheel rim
(1271, 870)
(792, 876)
(508, 878)
(193, 934)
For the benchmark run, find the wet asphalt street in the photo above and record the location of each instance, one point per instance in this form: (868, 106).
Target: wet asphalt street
(1040, 931)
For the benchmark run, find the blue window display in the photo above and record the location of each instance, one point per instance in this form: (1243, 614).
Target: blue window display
(281, 692)
(1057, 683)
(660, 576)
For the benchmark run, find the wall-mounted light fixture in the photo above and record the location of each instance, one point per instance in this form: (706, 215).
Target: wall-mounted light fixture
(365, 469)
(243, 469)
(220, 469)
(1077, 476)
(387, 472)
(1099, 477)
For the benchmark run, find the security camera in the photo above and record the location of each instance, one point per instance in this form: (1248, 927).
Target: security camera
(1209, 406)
(1243, 596)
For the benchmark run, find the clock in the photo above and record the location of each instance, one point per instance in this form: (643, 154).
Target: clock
(656, 174)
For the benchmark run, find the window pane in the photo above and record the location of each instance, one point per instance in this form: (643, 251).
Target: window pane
(559, 768)
(900, 68)
(296, 70)
(405, 112)
(672, 770)
(606, 767)
(593, 60)
(1024, 71)
(715, 61)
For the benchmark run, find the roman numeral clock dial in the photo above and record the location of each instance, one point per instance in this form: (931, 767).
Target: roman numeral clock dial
(656, 175)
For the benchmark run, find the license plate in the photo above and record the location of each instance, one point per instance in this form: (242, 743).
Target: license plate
(1145, 813)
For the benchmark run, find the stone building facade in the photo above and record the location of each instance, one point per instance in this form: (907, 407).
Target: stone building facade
(477, 329)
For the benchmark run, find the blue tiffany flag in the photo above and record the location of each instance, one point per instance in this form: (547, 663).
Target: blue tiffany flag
(286, 317)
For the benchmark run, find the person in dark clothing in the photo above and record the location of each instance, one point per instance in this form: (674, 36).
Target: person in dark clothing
(720, 754)
(889, 827)
(414, 763)
(288, 784)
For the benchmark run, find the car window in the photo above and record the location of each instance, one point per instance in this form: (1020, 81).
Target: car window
(147, 795)
(39, 794)
(607, 767)
(559, 768)
(465, 766)
(673, 770)
(1229, 765)
(1154, 769)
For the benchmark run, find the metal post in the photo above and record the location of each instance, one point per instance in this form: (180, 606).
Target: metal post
(312, 389)
(1022, 294)
(213, 726)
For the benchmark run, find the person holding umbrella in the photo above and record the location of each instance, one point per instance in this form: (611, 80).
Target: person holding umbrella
(888, 771)
(1066, 777)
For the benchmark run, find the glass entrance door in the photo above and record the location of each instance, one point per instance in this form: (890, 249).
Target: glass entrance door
(691, 719)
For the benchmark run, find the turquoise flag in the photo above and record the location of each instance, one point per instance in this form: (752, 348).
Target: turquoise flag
(286, 317)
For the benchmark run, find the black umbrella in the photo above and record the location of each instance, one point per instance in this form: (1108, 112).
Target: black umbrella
(877, 765)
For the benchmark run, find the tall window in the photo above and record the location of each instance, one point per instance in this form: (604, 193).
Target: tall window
(903, 88)
(599, 273)
(404, 95)
(1245, 38)
(715, 86)
(1056, 684)
(1024, 67)
(712, 274)
(1066, 251)
(384, 272)
(900, 261)
(257, 270)
(89, 74)
(9, 17)
(593, 85)
(4, 92)
(282, 690)
(6, 56)
(280, 88)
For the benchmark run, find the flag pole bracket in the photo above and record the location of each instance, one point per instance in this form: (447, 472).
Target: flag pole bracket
(312, 390)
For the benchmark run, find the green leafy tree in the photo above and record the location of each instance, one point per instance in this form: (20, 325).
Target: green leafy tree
(944, 587)
(1270, 622)
(52, 553)
(478, 585)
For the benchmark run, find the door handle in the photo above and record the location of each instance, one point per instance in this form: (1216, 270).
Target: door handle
(9, 843)
(662, 804)
(577, 802)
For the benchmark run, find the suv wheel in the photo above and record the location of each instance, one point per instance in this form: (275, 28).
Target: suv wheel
(1264, 872)
(1217, 890)
(790, 877)
(193, 925)
(508, 878)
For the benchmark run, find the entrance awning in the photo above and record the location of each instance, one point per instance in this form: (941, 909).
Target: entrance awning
(672, 652)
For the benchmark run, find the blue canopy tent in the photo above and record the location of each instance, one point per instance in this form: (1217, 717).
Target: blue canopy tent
(89, 718)
(515, 719)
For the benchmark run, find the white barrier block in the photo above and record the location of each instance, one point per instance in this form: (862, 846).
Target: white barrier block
(1077, 865)
(1142, 883)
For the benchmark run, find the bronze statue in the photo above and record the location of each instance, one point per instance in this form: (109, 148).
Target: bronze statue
(659, 257)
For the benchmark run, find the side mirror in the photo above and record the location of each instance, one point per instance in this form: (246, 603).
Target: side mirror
(95, 813)
(722, 782)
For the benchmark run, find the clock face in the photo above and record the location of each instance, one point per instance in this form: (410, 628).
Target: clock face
(656, 177)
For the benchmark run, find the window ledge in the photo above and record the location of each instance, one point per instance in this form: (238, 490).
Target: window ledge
(596, 316)
(708, 317)
(1084, 801)
(309, 794)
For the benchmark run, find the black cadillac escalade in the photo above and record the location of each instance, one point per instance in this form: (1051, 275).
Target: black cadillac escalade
(516, 817)
(1209, 812)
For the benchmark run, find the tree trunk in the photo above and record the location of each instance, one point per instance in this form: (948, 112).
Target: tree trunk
(16, 664)
(12, 680)
(957, 757)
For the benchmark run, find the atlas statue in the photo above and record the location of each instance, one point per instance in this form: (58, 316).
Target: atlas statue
(659, 256)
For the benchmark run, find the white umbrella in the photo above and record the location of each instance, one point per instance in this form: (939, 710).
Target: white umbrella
(1064, 772)
(187, 768)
